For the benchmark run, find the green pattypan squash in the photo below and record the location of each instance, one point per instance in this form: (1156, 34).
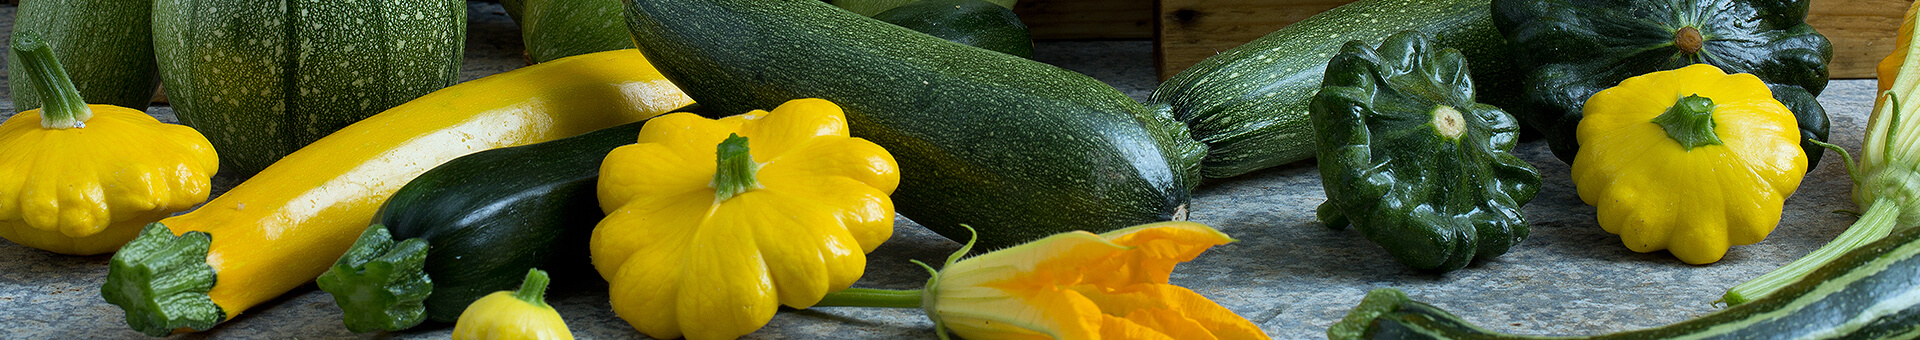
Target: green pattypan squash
(1410, 159)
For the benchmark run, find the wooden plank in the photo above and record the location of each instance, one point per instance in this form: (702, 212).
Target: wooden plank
(1087, 19)
(1861, 31)
(1192, 30)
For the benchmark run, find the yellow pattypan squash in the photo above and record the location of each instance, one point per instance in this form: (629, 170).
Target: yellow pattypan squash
(517, 315)
(1691, 160)
(83, 179)
(1079, 285)
(712, 224)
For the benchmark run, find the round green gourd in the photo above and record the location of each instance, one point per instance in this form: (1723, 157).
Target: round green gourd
(109, 63)
(263, 79)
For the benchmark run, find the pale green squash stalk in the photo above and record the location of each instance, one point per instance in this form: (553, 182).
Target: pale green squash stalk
(1886, 181)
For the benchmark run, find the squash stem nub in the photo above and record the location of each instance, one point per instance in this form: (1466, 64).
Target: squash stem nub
(1690, 122)
(380, 284)
(162, 280)
(61, 105)
(735, 173)
(1689, 40)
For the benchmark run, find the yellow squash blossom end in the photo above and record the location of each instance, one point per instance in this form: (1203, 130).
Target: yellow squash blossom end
(1692, 160)
(713, 224)
(1079, 285)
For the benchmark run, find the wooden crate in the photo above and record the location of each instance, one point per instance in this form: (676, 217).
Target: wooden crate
(1192, 30)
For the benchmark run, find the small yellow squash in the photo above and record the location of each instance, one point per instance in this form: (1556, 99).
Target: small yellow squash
(1691, 160)
(82, 179)
(517, 315)
(713, 224)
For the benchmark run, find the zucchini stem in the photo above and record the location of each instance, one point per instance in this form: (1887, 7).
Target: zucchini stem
(735, 172)
(61, 105)
(162, 280)
(380, 284)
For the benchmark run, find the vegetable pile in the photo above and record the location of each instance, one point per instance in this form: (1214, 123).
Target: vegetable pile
(419, 203)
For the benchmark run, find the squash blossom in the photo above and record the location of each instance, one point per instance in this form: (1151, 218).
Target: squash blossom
(1073, 285)
(1691, 160)
(83, 179)
(713, 224)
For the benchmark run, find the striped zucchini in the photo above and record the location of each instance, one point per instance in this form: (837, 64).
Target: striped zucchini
(1249, 104)
(262, 79)
(1872, 292)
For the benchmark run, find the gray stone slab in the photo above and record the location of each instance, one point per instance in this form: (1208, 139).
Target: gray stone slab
(1288, 273)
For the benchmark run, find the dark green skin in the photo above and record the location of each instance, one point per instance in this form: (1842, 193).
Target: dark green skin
(1432, 202)
(1571, 49)
(109, 63)
(970, 22)
(1249, 104)
(1875, 275)
(554, 29)
(486, 219)
(1015, 148)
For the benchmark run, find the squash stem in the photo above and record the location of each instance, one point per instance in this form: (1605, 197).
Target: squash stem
(162, 281)
(1875, 224)
(869, 297)
(1690, 122)
(735, 172)
(534, 289)
(61, 105)
(380, 284)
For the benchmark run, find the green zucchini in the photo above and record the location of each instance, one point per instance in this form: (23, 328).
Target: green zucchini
(262, 80)
(554, 29)
(1872, 292)
(1015, 148)
(471, 227)
(975, 23)
(1249, 104)
(106, 46)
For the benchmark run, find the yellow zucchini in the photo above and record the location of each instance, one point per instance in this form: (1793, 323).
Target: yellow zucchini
(287, 224)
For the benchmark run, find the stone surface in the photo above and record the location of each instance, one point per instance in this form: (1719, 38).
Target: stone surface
(1288, 273)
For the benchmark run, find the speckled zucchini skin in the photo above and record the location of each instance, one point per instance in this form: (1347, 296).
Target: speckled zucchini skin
(262, 79)
(1249, 104)
(106, 47)
(1015, 148)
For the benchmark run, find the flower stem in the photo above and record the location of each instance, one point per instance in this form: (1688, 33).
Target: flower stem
(1876, 223)
(60, 104)
(868, 297)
